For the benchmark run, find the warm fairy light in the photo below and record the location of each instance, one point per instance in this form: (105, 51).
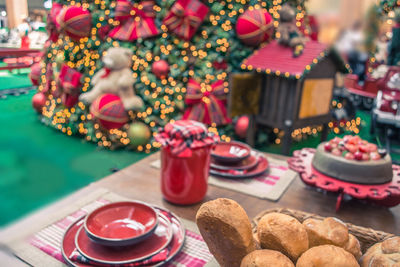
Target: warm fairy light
(163, 96)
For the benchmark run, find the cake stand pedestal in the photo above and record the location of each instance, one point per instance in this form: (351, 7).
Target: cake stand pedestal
(387, 194)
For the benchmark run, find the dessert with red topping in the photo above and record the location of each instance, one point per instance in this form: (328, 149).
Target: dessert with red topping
(353, 160)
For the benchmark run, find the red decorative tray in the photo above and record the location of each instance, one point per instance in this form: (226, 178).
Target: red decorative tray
(383, 194)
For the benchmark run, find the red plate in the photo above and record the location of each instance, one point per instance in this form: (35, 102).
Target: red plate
(68, 243)
(261, 168)
(128, 254)
(174, 247)
(179, 235)
(246, 164)
(231, 152)
(121, 223)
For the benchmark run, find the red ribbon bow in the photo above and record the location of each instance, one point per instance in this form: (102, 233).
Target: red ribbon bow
(206, 103)
(70, 83)
(136, 20)
(185, 17)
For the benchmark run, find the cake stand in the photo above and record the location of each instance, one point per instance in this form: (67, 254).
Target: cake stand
(387, 194)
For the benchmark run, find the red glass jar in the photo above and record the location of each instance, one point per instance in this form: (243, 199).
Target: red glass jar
(184, 179)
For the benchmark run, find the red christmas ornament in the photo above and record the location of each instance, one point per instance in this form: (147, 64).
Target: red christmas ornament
(220, 65)
(36, 70)
(109, 110)
(241, 126)
(160, 69)
(75, 21)
(254, 26)
(39, 101)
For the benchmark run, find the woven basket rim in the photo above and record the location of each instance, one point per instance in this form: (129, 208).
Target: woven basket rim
(366, 236)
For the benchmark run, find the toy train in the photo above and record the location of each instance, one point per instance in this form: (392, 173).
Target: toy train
(362, 94)
(380, 94)
(386, 111)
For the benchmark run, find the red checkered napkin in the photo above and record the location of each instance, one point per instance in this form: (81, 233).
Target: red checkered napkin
(194, 252)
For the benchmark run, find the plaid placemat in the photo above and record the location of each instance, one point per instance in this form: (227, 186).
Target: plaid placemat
(193, 253)
(270, 186)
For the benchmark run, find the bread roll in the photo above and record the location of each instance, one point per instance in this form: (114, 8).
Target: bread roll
(353, 246)
(384, 254)
(330, 231)
(266, 258)
(226, 229)
(284, 233)
(327, 256)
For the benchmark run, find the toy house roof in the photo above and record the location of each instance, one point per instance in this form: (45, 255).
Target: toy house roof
(277, 59)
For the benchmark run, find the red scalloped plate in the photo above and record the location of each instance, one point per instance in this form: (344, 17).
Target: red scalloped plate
(128, 254)
(174, 247)
(246, 164)
(383, 194)
(231, 152)
(260, 169)
(121, 223)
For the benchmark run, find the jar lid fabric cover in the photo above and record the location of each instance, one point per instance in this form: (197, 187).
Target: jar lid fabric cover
(184, 135)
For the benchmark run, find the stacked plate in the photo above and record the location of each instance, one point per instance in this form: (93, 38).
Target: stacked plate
(237, 160)
(123, 233)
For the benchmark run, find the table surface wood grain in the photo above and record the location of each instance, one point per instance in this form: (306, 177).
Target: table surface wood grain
(140, 181)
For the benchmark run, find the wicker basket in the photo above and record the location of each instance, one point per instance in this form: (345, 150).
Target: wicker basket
(366, 236)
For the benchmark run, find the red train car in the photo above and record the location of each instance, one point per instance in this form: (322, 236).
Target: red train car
(363, 95)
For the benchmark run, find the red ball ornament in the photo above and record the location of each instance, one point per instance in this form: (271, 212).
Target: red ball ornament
(254, 26)
(75, 21)
(36, 70)
(241, 126)
(39, 101)
(109, 110)
(160, 69)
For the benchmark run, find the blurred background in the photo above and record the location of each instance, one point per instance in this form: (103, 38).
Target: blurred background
(332, 16)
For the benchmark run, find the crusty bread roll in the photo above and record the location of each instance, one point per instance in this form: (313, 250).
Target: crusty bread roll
(330, 231)
(353, 246)
(266, 258)
(327, 256)
(384, 254)
(226, 229)
(284, 233)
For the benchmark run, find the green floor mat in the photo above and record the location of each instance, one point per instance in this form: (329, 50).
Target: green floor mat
(39, 165)
(14, 79)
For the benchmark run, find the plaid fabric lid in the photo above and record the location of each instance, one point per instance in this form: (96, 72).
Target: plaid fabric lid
(184, 135)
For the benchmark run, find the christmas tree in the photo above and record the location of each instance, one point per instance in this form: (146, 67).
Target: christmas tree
(180, 48)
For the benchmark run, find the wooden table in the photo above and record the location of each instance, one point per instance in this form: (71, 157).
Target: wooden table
(140, 181)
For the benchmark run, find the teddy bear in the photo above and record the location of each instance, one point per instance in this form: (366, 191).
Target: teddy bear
(115, 78)
(288, 31)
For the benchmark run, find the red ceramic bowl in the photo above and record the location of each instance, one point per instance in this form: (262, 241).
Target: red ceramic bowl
(121, 223)
(111, 256)
(232, 152)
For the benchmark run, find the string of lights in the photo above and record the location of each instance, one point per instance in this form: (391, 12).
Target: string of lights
(215, 41)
